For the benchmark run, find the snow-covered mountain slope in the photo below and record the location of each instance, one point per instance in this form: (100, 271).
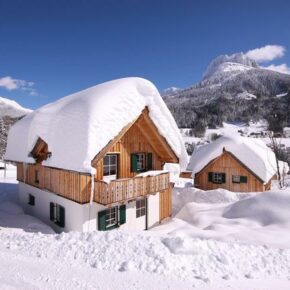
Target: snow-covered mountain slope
(12, 109)
(233, 87)
(237, 62)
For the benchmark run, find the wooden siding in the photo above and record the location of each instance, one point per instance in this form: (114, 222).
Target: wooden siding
(69, 184)
(230, 166)
(132, 142)
(165, 204)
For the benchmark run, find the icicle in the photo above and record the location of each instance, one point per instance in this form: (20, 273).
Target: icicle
(92, 188)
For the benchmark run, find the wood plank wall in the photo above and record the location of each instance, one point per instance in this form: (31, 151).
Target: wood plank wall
(165, 204)
(132, 142)
(230, 166)
(72, 185)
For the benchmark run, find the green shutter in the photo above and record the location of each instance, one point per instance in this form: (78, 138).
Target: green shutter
(134, 158)
(210, 177)
(51, 207)
(61, 222)
(122, 210)
(102, 220)
(149, 161)
(223, 178)
(243, 179)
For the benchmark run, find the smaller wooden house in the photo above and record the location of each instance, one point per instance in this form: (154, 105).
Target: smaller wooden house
(238, 164)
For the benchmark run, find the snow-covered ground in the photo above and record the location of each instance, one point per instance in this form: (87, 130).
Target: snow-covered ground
(217, 240)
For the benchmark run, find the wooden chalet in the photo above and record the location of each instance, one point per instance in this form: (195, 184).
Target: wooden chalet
(235, 164)
(129, 188)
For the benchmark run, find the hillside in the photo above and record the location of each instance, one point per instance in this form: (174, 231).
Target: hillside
(10, 112)
(234, 88)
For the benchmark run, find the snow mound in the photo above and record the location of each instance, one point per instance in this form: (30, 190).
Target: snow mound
(86, 121)
(269, 208)
(253, 153)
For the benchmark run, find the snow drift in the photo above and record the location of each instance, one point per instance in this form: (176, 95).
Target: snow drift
(79, 126)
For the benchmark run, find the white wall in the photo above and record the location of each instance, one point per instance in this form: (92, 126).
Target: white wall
(153, 210)
(83, 217)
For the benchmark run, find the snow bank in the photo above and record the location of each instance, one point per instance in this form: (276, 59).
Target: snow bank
(269, 208)
(86, 121)
(183, 196)
(253, 153)
(258, 219)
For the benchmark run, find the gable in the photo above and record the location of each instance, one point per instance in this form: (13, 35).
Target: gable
(228, 160)
(149, 132)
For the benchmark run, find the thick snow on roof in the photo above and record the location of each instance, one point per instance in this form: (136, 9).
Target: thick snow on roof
(78, 126)
(253, 153)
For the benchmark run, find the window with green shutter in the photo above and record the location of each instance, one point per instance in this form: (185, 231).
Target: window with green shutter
(122, 213)
(57, 214)
(217, 177)
(134, 160)
(102, 220)
(149, 161)
(244, 179)
(210, 177)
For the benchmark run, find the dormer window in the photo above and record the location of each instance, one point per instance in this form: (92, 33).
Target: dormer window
(40, 151)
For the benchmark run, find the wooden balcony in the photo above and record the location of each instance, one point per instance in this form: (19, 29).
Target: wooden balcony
(128, 189)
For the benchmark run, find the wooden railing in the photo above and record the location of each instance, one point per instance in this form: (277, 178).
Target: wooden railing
(126, 189)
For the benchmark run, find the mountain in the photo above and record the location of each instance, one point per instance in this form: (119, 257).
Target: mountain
(10, 112)
(12, 109)
(233, 88)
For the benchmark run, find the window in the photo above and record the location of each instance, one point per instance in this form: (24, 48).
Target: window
(111, 217)
(140, 207)
(236, 179)
(36, 176)
(239, 179)
(31, 199)
(217, 177)
(141, 162)
(57, 214)
(110, 166)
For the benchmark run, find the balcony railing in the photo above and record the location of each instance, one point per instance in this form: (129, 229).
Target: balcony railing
(131, 188)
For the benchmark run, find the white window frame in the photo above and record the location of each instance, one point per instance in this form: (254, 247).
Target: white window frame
(140, 207)
(141, 161)
(236, 179)
(111, 216)
(110, 177)
(217, 177)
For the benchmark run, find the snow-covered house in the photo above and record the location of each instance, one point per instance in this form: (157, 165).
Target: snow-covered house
(234, 163)
(94, 159)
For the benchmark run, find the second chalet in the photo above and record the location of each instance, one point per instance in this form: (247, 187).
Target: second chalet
(94, 160)
(235, 163)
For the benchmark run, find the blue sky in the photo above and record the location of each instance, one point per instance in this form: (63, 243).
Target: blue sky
(49, 49)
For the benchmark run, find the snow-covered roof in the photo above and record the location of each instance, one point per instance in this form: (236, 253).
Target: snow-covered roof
(77, 127)
(252, 152)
